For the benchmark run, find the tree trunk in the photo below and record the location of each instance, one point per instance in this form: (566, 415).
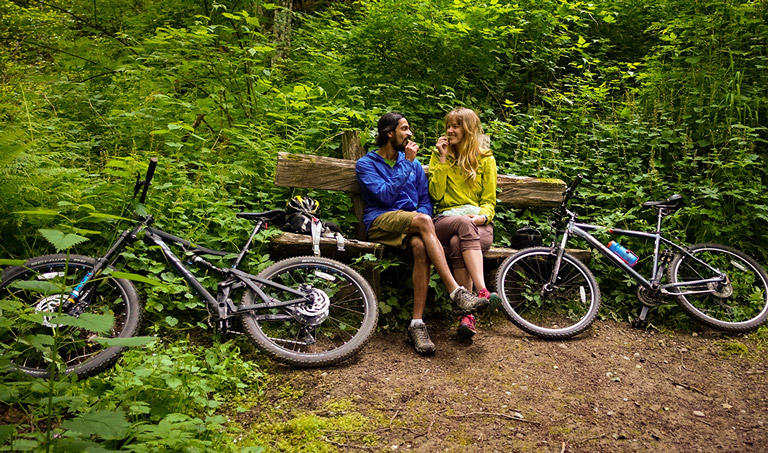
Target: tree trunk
(282, 29)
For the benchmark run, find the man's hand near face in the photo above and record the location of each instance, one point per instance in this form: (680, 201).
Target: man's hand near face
(411, 149)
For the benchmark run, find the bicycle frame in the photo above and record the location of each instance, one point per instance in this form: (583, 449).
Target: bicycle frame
(581, 230)
(232, 278)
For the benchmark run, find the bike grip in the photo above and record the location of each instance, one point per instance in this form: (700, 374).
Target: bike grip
(151, 169)
(577, 181)
(148, 178)
(572, 188)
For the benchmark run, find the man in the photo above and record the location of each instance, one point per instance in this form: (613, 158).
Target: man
(398, 213)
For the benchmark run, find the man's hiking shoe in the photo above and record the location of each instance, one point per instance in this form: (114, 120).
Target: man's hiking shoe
(419, 338)
(467, 326)
(468, 302)
(493, 298)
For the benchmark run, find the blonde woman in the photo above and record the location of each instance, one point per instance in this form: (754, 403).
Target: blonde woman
(462, 184)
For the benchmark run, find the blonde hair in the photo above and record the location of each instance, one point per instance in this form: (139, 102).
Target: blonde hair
(474, 144)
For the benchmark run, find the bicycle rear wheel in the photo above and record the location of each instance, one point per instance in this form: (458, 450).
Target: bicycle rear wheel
(330, 330)
(552, 312)
(739, 305)
(31, 295)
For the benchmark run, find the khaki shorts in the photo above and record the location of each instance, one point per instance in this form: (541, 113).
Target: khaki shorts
(391, 228)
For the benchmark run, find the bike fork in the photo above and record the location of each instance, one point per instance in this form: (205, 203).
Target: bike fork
(559, 252)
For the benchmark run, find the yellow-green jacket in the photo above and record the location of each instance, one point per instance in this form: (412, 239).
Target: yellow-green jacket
(450, 189)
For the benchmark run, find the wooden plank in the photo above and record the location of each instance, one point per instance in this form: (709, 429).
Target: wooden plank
(525, 192)
(500, 253)
(327, 173)
(301, 244)
(315, 172)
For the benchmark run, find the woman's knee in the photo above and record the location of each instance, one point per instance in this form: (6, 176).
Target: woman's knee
(467, 229)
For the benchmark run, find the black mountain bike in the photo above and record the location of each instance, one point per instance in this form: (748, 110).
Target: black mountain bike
(551, 294)
(304, 311)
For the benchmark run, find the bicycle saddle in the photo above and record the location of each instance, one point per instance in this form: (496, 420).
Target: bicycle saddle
(268, 216)
(671, 204)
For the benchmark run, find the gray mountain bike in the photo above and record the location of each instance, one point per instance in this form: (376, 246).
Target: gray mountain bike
(551, 294)
(304, 311)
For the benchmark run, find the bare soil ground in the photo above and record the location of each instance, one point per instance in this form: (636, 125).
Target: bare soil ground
(614, 388)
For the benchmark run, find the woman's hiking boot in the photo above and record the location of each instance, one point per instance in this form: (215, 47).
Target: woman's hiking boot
(493, 298)
(467, 326)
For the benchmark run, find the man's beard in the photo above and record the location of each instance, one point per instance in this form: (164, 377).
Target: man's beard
(398, 146)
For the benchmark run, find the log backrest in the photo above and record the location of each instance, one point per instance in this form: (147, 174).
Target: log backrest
(327, 173)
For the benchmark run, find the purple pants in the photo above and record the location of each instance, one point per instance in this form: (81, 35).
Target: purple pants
(459, 233)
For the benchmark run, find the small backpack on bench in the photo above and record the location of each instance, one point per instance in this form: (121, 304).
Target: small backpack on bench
(301, 218)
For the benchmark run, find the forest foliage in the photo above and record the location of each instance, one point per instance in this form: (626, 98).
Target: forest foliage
(645, 99)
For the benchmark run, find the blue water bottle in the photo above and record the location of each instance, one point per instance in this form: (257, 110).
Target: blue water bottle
(626, 255)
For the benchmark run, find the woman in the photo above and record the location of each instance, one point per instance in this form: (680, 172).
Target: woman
(462, 184)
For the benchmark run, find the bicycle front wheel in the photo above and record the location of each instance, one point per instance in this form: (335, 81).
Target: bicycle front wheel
(334, 326)
(739, 304)
(31, 296)
(553, 311)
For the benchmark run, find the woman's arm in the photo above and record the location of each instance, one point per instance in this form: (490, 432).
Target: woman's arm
(488, 193)
(438, 176)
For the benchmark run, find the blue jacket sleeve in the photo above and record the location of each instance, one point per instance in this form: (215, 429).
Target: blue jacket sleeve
(383, 191)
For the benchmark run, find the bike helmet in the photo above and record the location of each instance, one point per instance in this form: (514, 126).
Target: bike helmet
(303, 204)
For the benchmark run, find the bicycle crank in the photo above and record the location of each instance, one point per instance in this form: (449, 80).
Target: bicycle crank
(648, 297)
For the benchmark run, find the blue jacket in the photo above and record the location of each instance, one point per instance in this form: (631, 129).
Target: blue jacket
(384, 188)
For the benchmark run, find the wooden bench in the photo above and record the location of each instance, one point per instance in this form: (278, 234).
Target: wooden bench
(326, 173)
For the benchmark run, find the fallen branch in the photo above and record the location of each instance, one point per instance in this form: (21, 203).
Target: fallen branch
(434, 416)
(393, 418)
(688, 387)
(494, 414)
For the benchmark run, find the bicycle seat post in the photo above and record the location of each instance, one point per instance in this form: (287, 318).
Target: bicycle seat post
(660, 216)
(256, 229)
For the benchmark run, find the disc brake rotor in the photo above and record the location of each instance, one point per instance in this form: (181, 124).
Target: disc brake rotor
(315, 311)
(49, 304)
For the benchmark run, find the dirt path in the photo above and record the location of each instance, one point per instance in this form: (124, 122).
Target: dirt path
(614, 389)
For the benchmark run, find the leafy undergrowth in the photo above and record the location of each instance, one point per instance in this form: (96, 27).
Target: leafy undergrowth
(162, 397)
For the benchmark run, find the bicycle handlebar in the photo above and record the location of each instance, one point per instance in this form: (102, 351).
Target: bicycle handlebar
(559, 214)
(568, 194)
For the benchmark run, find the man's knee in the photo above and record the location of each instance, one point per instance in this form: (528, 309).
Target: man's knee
(422, 223)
